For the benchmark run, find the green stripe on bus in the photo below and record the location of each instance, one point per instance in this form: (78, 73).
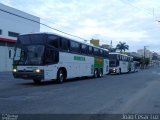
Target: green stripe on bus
(98, 62)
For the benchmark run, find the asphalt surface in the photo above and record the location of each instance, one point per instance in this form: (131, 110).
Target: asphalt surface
(126, 93)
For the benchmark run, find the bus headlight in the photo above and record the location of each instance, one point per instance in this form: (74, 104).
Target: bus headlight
(14, 70)
(38, 70)
(114, 69)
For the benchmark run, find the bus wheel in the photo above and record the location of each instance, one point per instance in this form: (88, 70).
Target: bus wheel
(119, 71)
(95, 73)
(60, 76)
(100, 73)
(37, 81)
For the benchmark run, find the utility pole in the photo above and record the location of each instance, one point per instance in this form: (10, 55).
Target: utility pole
(144, 51)
(144, 57)
(111, 44)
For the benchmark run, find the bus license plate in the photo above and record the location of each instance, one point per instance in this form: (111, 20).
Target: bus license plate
(25, 76)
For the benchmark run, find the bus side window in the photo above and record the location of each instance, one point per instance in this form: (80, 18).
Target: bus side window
(53, 41)
(74, 47)
(51, 56)
(96, 51)
(84, 49)
(106, 54)
(101, 53)
(117, 61)
(48, 56)
(117, 57)
(90, 51)
(87, 49)
(64, 44)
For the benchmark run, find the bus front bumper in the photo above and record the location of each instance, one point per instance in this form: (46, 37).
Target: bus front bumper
(28, 75)
(113, 70)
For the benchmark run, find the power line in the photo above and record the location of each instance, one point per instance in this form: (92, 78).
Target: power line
(43, 24)
(71, 28)
(128, 3)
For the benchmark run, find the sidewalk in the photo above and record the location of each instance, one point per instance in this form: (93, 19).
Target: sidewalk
(6, 75)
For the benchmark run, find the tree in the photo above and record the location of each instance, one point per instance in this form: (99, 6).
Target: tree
(144, 62)
(112, 49)
(147, 61)
(122, 46)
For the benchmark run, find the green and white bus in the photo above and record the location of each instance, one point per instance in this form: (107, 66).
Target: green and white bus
(47, 56)
(120, 63)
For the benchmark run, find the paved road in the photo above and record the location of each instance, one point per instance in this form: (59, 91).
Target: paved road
(127, 93)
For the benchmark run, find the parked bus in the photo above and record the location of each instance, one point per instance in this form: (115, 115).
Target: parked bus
(46, 56)
(120, 63)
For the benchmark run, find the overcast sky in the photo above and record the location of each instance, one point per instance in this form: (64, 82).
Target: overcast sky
(130, 21)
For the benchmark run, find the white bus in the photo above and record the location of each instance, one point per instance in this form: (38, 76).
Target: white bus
(46, 56)
(120, 63)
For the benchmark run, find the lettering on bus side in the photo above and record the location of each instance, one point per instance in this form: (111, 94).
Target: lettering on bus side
(32, 67)
(79, 58)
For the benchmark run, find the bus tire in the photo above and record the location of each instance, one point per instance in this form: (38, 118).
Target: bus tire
(100, 74)
(60, 76)
(37, 81)
(119, 71)
(95, 73)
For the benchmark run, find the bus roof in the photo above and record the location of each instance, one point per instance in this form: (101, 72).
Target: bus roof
(49, 33)
(113, 53)
(117, 53)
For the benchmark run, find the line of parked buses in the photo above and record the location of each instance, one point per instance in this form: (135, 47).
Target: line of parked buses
(48, 56)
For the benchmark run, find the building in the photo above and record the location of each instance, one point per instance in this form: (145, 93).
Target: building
(155, 59)
(12, 23)
(136, 56)
(145, 53)
(95, 42)
(106, 46)
(109, 47)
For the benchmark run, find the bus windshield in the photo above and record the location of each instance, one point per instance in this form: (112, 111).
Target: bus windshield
(32, 39)
(29, 55)
(113, 63)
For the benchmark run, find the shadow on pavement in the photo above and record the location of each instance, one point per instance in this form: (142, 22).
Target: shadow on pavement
(53, 82)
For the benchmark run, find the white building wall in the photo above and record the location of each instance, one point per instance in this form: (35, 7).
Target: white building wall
(10, 22)
(6, 60)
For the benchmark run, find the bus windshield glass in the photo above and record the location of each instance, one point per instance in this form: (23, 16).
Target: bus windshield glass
(113, 63)
(32, 39)
(113, 56)
(29, 55)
